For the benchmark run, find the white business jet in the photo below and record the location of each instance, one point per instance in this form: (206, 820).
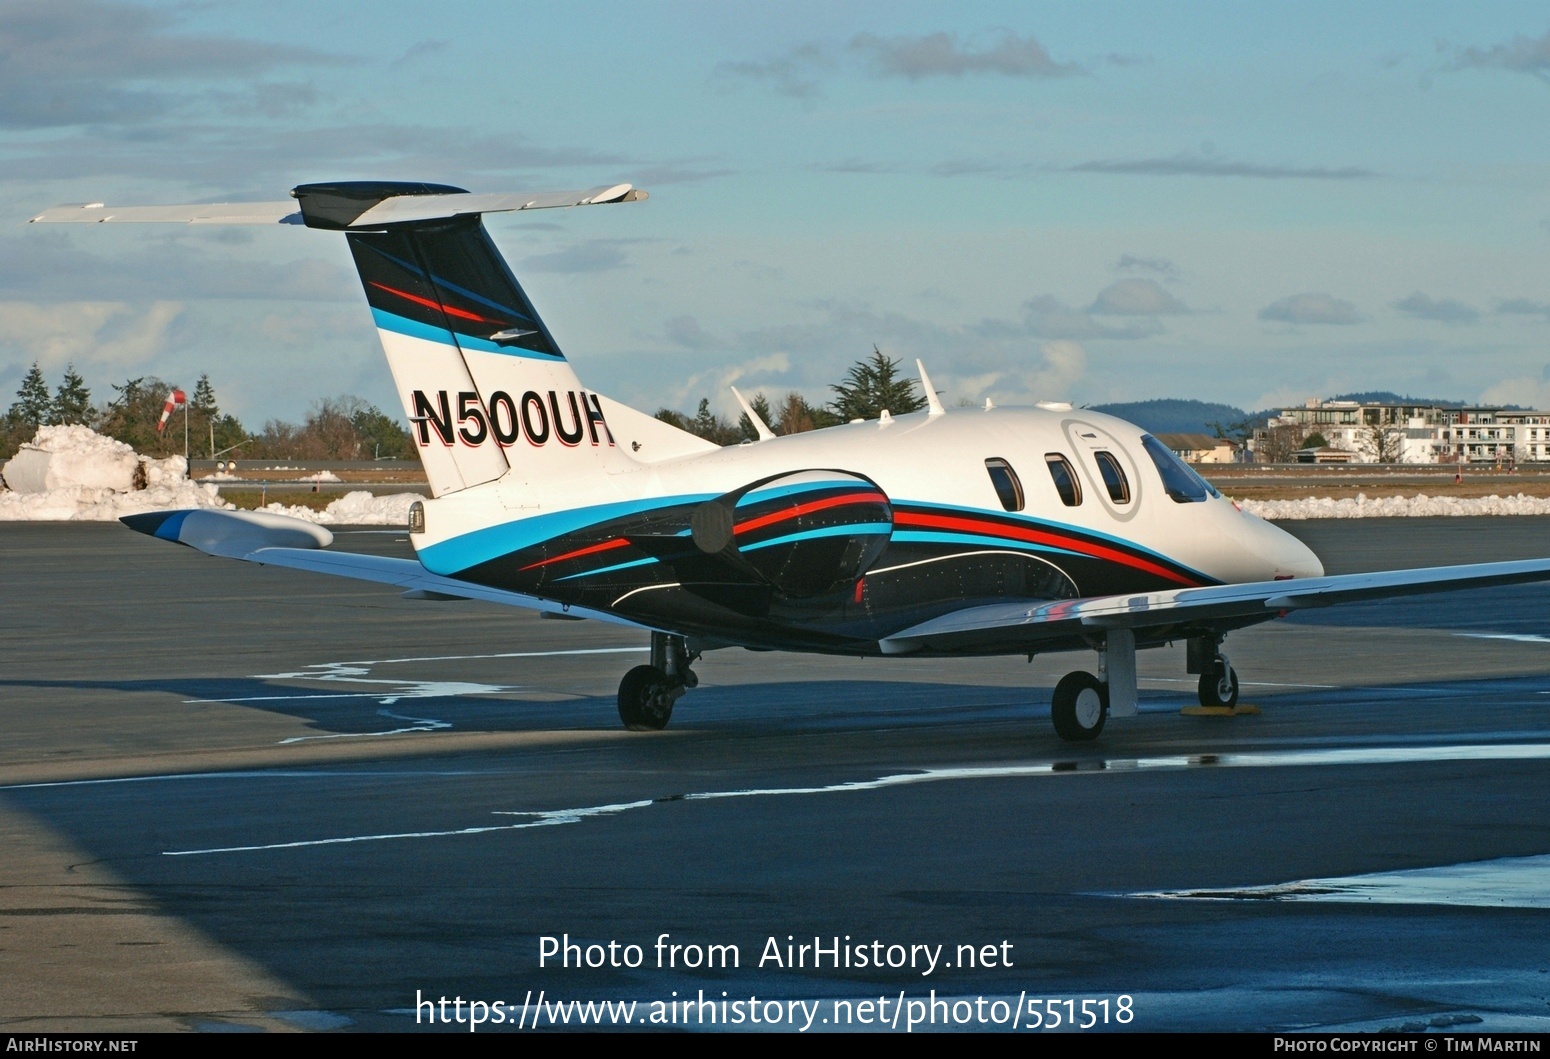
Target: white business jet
(962, 533)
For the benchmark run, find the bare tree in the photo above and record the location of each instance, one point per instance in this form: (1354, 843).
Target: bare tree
(1382, 444)
(1278, 442)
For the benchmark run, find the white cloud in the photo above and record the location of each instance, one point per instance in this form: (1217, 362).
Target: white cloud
(86, 333)
(715, 382)
(1528, 392)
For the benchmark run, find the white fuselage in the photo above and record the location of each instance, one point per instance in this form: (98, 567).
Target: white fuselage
(921, 458)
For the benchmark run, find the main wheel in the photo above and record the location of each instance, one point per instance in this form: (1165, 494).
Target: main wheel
(1219, 685)
(1079, 707)
(645, 699)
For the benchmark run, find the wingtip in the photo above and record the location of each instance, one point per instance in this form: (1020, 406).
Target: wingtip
(163, 524)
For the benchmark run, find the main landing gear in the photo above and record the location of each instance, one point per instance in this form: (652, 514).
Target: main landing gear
(1083, 702)
(647, 693)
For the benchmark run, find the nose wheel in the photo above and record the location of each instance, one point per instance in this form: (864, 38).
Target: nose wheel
(1219, 685)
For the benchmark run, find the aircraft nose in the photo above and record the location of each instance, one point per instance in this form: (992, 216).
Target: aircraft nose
(1286, 555)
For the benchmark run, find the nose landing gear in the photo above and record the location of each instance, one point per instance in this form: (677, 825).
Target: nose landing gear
(1218, 680)
(1219, 684)
(647, 693)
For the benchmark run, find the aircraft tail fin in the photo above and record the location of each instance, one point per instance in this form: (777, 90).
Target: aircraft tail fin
(482, 380)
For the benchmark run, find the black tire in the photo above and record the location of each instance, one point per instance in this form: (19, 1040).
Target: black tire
(644, 703)
(1079, 707)
(1219, 685)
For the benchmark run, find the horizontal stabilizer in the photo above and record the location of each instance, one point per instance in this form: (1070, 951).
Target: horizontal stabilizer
(206, 213)
(404, 208)
(343, 206)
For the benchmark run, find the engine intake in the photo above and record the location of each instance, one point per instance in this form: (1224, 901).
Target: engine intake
(804, 533)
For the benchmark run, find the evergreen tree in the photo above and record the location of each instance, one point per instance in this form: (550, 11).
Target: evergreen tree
(761, 408)
(711, 427)
(133, 413)
(873, 386)
(204, 399)
(72, 401)
(676, 419)
(33, 403)
(382, 436)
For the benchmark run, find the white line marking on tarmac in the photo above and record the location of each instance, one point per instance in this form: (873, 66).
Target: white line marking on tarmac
(358, 672)
(254, 774)
(1243, 683)
(1519, 637)
(1260, 759)
(287, 698)
(545, 819)
(1509, 882)
(419, 724)
(508, 654)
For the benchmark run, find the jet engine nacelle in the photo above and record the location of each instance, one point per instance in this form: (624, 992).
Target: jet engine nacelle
(804, 533)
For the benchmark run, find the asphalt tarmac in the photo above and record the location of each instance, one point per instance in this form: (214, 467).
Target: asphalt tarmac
(233, 797)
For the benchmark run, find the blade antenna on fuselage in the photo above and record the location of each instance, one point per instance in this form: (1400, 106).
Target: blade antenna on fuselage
(933, 402)
(764, 432)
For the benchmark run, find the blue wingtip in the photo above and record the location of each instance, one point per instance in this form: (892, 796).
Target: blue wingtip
(163, 524)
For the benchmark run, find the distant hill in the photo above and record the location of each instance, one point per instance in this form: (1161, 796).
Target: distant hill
(1170, 415)
(1390, 397)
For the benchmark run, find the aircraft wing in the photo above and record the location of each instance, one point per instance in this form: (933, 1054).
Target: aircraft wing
(278, 540)
(1014, 626)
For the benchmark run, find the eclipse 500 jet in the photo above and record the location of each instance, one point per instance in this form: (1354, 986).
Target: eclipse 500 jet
(962, 533)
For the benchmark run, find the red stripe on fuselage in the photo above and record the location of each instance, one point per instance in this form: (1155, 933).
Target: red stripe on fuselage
(808, 508)
(461, 314)
(1033, 536)
(618, 542)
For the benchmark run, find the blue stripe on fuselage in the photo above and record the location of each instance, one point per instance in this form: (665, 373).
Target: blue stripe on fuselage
(460, 553)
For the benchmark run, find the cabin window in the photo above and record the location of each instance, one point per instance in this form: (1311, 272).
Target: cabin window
(1114, 479)
(1008, 489)
(1066, 485)
(1179, 480)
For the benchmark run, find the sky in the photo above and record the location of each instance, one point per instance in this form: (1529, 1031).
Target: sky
(1248, 203)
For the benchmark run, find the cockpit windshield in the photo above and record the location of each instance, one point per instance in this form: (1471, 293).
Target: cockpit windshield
(1179, 480)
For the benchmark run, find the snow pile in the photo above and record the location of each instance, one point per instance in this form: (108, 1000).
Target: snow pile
(356, 509)
(72, 473)
(62, 457)
(1397, 506)
(321, 476)
(221, 476)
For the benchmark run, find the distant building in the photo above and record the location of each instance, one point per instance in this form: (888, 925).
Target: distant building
(1199, 448)
(1325, 454)
(1408, 433)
